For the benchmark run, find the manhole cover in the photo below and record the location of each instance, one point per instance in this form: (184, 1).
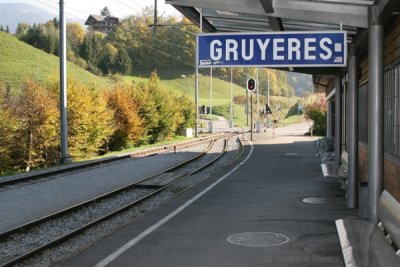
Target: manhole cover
(291, 154)
(323, 200)
(258, 239)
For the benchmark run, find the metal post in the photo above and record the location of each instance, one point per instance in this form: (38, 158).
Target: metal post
(268, 92)
(338, 118)
(211, 89)
(251, 116)
(196, 89)
(155, 19)
(63, 88)
(196, 100)
(231, 109)
(247, 107)
(352, 183)
(201, 20)
(258, 96)
(375, 115)
(329, 119)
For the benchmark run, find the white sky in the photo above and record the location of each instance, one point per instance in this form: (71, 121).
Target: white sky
(82, 8)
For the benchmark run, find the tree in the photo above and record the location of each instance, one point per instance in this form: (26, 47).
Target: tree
(128, 126)
(75, 36)
(91, 50)
(122, 63)
(89, 121)
(9, 126)
(105, 11)
(37, 112)
(22, 30)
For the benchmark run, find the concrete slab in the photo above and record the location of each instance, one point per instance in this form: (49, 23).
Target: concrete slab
(263, 195)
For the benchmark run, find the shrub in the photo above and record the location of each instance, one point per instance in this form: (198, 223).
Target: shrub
(239, 99)
(317, 113)
(128, 126)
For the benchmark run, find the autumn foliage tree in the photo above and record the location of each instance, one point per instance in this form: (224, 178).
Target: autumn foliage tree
(37, 112)
(128, 115)
(8, 134)
(128, 126)
(89, 121)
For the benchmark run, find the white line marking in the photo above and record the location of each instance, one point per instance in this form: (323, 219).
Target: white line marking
(154, 227)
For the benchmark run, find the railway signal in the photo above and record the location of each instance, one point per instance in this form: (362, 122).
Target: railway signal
(251, 84)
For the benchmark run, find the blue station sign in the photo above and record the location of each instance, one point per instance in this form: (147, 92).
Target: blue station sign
(272, 49)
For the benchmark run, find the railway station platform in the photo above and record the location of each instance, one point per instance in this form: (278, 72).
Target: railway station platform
(271, 207)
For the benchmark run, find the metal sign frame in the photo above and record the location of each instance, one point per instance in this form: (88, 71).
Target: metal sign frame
(333, 42)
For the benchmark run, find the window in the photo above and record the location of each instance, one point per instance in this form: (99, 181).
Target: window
(363, 113)
(392, 109)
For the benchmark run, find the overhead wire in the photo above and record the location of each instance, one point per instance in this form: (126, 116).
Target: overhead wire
(126, 5)
(157, 50)
(165, 42)
(56, 8)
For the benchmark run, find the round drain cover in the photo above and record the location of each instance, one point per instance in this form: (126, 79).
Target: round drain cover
(258, 239)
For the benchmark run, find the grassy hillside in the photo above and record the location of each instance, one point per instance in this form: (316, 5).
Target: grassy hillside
(19, 61)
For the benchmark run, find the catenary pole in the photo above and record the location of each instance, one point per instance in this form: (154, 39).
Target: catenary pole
(63, 88)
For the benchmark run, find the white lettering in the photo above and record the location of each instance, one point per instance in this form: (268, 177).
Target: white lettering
(231, 48)
(328, 51)
(308, 48)
(263, 47)
(216, 52)
(277, 48)
(294, 47)
(251, 49)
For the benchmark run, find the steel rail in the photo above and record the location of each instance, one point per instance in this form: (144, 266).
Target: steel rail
(105, 217)
(85, 166)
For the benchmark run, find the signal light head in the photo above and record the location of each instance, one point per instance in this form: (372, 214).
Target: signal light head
(251, 85)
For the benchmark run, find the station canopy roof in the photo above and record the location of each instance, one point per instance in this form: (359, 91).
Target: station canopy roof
(286, 15)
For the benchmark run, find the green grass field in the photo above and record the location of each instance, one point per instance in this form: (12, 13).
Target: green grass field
(19, 61)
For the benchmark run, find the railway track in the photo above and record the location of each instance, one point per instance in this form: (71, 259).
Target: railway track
(74, 220)
(41, 176)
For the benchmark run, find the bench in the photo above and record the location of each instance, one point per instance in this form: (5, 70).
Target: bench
(366, 244)
(331, 170)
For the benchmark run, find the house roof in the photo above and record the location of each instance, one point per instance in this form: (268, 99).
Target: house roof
(99, 18)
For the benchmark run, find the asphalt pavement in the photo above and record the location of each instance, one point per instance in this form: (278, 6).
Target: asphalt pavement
(271, 207)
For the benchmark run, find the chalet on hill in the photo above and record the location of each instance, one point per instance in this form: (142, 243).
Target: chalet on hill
(105, 24)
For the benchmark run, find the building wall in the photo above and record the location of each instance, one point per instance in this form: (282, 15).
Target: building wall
(362, 162)
(391, 162)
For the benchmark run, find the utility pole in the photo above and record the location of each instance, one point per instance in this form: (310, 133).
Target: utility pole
(63, 88)
(155, 19)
